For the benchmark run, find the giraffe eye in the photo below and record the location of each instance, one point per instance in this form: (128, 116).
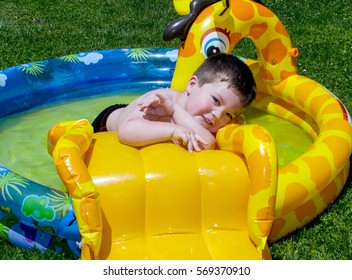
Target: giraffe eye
(215, 42)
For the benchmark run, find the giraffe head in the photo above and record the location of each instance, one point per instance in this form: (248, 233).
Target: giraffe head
(214, 26)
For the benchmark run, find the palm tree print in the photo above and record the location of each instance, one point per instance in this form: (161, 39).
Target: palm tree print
(34, 68)
(11, 182)
(139, 54)
(60, 201)
(73, 58)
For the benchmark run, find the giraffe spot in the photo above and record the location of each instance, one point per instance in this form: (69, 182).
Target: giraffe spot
(235, 38)
(78, 141)
(320, 169)
(339, 147)
(264, 214)
(306, 210)
(303, 90)
(261, 134)
(329, 193)
(281, 111)
(294, 196)
(257, 75)
(274, 51)
(289, 168)
(318, 102)
(338, 124)
(266, 74)
(189, 48)
(279, 91)
(208, 12)
(243, 11)
(264, 225)
(261, 95)
(76, 176)
(238, 140)
(228, 132)
(259, 171)
(265, 12)
(278, 225)
(286, 74)
(280, 88)
(331, 109)
(280, 29)
(343, 175)
(257, 30)
(295, 119)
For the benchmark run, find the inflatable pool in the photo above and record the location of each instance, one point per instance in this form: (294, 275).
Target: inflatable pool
(125, 203)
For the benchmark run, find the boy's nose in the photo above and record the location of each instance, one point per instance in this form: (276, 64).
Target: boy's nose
(217, 113)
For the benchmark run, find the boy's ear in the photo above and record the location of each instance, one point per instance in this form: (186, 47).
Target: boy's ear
(192, 82)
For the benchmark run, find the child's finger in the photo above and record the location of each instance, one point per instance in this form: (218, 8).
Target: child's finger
(190, 146)
(194, 142)
(154, 101)
(161, 97)
(201, 140)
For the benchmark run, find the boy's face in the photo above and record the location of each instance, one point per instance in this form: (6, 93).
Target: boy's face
(212, 105)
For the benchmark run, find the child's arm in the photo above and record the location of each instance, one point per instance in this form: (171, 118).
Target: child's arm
(162, 105)
(136, 131)
(137, 128)
(182, 117)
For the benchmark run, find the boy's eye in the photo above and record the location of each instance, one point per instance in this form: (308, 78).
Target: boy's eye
(217, 102)
(229, 116)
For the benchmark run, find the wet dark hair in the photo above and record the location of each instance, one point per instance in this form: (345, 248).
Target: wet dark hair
(228, 68)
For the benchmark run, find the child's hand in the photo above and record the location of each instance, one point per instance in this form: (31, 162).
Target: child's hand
(185, 137)
(157, 104)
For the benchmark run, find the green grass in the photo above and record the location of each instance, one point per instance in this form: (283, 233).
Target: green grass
(37, 30)
(322, 31)
(10, 252)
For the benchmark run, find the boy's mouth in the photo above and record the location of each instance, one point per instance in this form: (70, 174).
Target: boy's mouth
(207, 121)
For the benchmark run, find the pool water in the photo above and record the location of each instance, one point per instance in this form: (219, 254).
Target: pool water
(291, 140)
(23, 136)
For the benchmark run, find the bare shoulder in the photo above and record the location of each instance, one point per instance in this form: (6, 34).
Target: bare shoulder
(133, 111)
(166, 91)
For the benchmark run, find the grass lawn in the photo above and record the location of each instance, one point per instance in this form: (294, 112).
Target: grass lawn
(321, 30)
